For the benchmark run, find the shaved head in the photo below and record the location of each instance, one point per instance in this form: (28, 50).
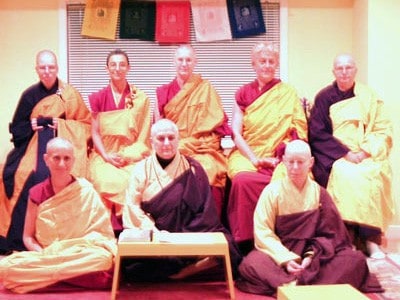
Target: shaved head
(298, 162)
(344, 70)
(344, 57)
(298, 147)
(163, 124)
(165, 138)
(59, 143)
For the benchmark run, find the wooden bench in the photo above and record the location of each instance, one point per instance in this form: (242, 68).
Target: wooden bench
(178, 244)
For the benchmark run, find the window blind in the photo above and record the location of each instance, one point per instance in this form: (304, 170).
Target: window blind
(226, 64)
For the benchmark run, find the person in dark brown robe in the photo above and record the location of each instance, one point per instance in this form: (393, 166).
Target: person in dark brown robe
(300, 238)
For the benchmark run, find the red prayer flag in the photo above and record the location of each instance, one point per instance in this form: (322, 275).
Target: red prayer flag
(172, 21)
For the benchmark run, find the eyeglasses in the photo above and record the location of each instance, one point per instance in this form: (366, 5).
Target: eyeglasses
(344, 68)
(49, 68)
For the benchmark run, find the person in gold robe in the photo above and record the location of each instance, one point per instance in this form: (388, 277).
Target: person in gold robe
(350, 135)
(120, 132)
(67, 231)
(300, 238)
(195, 106)
(267, 114)
(47, 109)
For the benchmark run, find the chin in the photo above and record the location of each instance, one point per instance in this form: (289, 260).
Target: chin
(167, 156)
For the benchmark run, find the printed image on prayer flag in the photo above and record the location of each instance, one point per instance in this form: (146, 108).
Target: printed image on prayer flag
(172, 21)
(100, 18)
(210, 19)
(245, 17)
(137, 20)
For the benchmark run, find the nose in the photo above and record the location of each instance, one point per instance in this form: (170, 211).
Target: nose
(166, 141)
(295, 165)
(63, 163)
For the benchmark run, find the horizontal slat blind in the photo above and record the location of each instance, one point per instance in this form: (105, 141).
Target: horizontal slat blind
(225, 63)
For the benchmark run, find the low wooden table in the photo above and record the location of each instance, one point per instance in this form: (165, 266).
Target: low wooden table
(178, 244)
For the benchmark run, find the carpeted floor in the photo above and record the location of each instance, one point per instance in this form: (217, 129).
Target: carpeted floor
(387, 271)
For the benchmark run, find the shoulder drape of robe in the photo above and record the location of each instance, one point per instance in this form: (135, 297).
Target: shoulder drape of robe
(267, 122)
(197, 111)
(126, 132)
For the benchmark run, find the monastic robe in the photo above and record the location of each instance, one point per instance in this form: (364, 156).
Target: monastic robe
(24, 166)
(124, 130)
(288, 223)
(75, 232)
(341, 123)
(177, 199)
(197, 111)
(271, 118)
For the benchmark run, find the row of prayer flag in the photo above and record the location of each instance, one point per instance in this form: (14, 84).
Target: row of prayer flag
(167, 21)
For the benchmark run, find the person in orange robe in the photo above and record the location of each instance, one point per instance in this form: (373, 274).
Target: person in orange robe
(195, 106)
(67, 231)
(120, 132)
(47, 109)
(267, 114)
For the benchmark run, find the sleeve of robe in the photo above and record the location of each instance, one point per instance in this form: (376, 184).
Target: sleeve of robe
(378, 140)
(133, 216)
(320, 131)
(264, 224)
(141, 147)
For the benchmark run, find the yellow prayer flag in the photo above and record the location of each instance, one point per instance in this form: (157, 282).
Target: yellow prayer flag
(100, 19)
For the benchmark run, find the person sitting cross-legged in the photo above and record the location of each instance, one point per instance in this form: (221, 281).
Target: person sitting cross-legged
(299, 235)
(67, 231)
(169, 191)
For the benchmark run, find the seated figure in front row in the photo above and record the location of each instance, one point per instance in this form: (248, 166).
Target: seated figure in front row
(300, 237)
(67, 231)
(171, 192)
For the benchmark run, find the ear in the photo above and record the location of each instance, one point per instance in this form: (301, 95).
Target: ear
(312, 160)
(46, 158)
